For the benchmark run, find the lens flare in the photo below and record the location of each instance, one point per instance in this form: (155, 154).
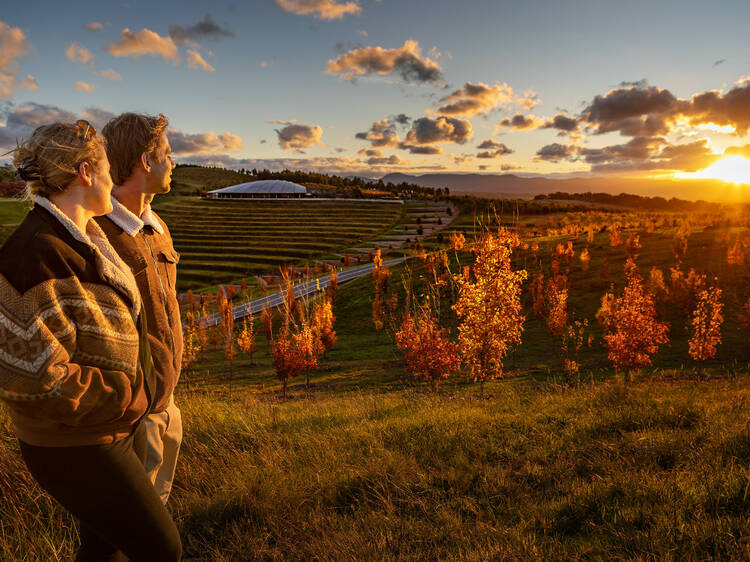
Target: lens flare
(734, 169)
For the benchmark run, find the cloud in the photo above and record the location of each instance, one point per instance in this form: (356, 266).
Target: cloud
(427, 130)
(263, 64)
(738, 151)
(649, 111)
(521, 122)
(340, 165)
(730, 108)
(206, 28)
(562, 122)
(86, 87)
(97, 116)
(381, 134)
(402, 119)
(493, 149)
(370, 152)
(720, 61)
(94, 26)
(475, 99)
(295, 137)
(13, 45)
(422, 149)
(636, 149)
(642, 83)
(555, 152)
(642, 154)
(493, 145)
(321, 9)
(203, 143)
(197, 62)
(78, 53)
(632, 111)
(392, 160)
(362, 32)
(109, 74)
(281, 122)
(405, 61)
(21, 120)
(145, 42)
(639, 154)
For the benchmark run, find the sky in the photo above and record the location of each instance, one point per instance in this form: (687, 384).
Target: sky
(369, 87)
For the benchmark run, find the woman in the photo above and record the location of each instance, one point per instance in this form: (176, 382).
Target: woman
(75, 367)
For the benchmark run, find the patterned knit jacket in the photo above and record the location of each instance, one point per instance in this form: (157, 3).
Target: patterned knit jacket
(75, 366)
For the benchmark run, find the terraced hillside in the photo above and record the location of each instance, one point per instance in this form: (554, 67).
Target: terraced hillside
(220, 241)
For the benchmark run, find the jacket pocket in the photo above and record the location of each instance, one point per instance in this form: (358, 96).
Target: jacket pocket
(169, 259)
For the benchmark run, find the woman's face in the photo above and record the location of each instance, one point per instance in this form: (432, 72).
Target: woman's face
(98, 199)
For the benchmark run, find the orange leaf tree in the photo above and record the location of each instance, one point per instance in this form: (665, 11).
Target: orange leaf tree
(489, 307)
(705, 326)
(633, 333)
(429, 354)
(246, 338)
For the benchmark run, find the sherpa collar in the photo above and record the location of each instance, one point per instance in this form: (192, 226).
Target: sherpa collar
(108, 262)
(129, 222)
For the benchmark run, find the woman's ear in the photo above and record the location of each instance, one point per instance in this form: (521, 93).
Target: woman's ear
(85, 173)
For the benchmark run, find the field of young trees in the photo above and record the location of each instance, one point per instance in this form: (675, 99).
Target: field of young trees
(560, 385)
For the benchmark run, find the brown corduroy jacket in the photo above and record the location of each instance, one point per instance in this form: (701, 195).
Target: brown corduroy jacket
(153, 260)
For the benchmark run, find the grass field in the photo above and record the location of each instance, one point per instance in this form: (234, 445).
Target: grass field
(368, 464)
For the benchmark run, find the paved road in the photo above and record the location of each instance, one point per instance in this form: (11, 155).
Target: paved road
(274, 300)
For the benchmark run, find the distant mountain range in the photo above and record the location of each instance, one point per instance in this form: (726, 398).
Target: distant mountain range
(513, 186)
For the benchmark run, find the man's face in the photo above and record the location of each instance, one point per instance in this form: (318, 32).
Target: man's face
(162, 165)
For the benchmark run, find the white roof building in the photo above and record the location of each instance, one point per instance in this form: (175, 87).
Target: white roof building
(261, 189)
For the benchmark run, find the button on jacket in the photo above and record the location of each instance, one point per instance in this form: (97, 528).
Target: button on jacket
(144, 243)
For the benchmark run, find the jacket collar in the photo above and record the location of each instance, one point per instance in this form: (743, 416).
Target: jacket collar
(108, 263)
(129, 222)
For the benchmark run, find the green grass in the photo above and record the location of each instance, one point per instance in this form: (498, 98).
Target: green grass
(652, 470)
(368, 464)
(12, 212)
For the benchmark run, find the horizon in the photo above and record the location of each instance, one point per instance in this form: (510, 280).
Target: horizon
(388, 88)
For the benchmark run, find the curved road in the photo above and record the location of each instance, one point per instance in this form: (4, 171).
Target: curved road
(274, 300)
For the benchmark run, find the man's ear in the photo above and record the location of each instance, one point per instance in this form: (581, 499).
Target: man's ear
(145, 162)
(85, 173)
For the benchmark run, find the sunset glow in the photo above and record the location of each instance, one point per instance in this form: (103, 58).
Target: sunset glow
(734, 169)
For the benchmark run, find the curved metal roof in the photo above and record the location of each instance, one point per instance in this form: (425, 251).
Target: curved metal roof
(263, 186)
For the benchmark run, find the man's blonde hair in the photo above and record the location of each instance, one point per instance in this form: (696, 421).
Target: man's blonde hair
(128, 136)
(49, 159)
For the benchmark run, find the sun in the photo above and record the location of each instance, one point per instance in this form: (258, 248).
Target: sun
(733, 169)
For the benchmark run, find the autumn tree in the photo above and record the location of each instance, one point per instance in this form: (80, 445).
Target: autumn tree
(537, 295)
(266, 318)
(227, 333)
(633, 332)
(573, 339)
(191, 345)
(381, 277)
(489, 306)
(288, 359)
(323, 322)
(705, 326)
(429, 354)
(585, 258)
(246, 338)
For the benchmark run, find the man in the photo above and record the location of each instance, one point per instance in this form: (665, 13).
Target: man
(141, 166)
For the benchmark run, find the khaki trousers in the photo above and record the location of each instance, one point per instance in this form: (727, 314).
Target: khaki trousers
(159, 437)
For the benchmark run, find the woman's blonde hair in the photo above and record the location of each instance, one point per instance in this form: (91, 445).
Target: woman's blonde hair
(48, 161)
